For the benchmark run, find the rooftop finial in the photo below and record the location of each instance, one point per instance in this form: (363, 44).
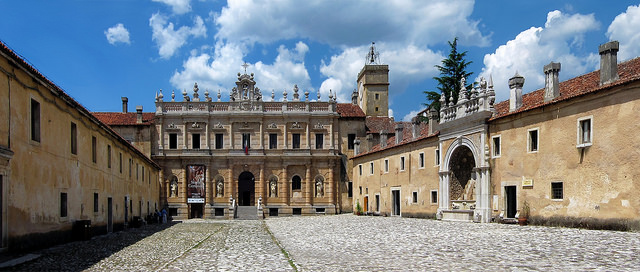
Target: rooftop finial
(245, 65)
(373, 57)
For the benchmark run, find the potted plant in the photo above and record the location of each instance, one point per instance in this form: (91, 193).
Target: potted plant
(524, 213)
(358, 208)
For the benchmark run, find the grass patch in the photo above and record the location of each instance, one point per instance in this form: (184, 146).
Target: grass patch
(284, 252)
(586, 223)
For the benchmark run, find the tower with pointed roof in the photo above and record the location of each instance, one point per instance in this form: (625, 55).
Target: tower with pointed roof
(373, 85)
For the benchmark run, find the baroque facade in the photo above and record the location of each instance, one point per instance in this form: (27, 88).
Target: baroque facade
(567, 150)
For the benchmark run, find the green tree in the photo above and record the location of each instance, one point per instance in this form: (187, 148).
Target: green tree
(452, 70)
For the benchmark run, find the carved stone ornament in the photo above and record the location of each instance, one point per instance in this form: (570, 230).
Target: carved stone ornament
(272, 125)
(296, 125)
(172, 125)
(218, 125)
(318, 126)
(219, 186)
(195, 125)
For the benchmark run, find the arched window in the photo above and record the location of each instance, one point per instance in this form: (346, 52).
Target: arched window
(296, 183)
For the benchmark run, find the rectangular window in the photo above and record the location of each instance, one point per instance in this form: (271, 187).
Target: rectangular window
(130, 166)
(437, 158)
(371, 168)
(533, 140)
(94, 149)
(434, 197)
(173, 141)
(63, 204)
(360, 168)
(401, 163)
(386, 166)
(143, 173)
(273, 141)
(219, 140)
(421, 160)
(74, 138)
(585, 133)
(496, 146)
(35, 120)
(414, 197)
(557, 191)
(108, 156)
(246, 140)
(95, 202)
(120, 161)
(319, 140)
(350, 189)
(377, 96)
(350, 139)
(360, 187)
(137, 166)
(296, 140)
(195, 141)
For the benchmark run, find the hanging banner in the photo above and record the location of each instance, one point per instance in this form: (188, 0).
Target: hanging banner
(195, 182)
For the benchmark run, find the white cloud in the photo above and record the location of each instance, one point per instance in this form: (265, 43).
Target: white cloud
(408, 64)
(624, 29)
(410, 115)
(117, 33)
(418, 22)
(178, 6)
(218, 71)
(168, 39)
(536, 47)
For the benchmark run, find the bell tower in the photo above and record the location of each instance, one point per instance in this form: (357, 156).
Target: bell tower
(373, 85)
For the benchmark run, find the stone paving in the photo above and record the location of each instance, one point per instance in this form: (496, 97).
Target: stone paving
(345, 243)
(350, 243)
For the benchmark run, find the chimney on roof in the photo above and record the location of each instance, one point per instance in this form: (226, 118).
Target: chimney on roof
(515, 97)
(354, 97)
(125, 101)
(356, 147)
(608, 62)
(415, 128)
(433, 120)
(139, 114)
(551, 82)
(383, 138)
(399, 135)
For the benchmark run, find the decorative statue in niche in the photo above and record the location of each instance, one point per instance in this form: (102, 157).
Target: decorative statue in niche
(219, 187)
(319, 187)
(174, 188)
(273, 187)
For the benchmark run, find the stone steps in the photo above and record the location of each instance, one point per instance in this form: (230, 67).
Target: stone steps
(247, 213)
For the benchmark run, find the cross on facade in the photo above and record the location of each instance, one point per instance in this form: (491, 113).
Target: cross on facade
(245, 65)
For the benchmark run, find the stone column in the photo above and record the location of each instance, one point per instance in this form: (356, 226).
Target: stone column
(206, 133)
(443, 197)
(483, 200)
(231, 135)
(184, 136)
(207, 186)
(183, 190)
(260, 189)
(229, 186)
(161, 136)
(330, 186)
(286, 185)
(331, 137)
(309, 186)
(308, 136)
(261, 137)
(285, 135)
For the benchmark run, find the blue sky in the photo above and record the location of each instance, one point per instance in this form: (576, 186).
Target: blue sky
(98, 51)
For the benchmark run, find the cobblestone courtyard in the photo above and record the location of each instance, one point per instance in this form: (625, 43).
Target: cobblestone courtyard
(345, 243)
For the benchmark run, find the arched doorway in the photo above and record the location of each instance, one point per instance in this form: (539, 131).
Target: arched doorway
(246, 189)
(463, 181)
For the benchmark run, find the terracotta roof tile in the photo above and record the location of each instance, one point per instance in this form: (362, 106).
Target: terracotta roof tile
(407, 137)
(588, 83)
(377, 124)
(350, 110)
(125, 119)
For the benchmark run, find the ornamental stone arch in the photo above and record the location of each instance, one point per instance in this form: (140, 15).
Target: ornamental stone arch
(464, 180)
